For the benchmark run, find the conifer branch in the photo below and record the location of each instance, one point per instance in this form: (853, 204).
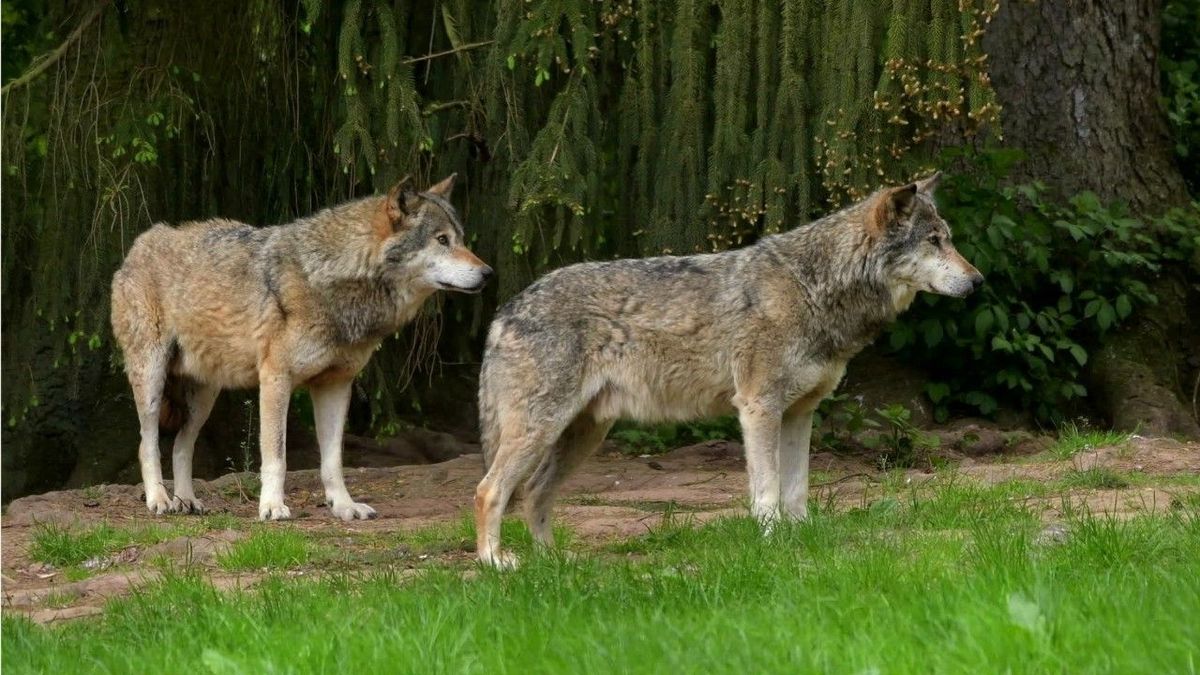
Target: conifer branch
(49, 59)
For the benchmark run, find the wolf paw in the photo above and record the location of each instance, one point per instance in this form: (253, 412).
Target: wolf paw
(767, 521)
(501, 560)
(187, 505)
(157, 500)
(348, 511)
(273, 510)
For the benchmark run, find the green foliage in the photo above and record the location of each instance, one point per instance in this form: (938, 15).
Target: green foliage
(902, 445)
(845, 424)
(1179, 62)
(659, 438)
(1059, 278)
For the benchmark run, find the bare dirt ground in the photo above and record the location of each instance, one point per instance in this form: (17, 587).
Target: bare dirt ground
(614, 496)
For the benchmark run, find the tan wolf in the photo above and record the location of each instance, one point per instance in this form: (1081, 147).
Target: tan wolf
(222, 304)
(764, 331)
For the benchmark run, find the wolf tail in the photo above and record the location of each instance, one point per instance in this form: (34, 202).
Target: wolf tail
(490, 392)
(489, 425)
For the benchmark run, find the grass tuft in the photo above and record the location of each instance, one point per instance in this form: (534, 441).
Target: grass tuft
(268, 549)
(65, 546)
(1074, 439)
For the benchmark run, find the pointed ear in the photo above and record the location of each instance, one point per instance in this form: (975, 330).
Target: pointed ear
(902, 199)
(930, 184)
(444, 188)
(890, 207)
(401, 200)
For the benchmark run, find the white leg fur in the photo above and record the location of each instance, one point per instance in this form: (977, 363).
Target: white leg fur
(274, 393)
(330, 403)
(795, 436)
(760, 430)
(148, 393)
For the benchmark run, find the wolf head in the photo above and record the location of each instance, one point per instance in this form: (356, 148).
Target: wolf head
(918, 254)
(426, 240)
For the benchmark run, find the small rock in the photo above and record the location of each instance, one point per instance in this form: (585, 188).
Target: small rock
(1052, 534)
(655, 465)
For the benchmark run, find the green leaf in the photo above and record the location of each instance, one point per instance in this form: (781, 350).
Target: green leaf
(937, 391)
(983, 322)
(932, 329)
(1106, 316)
(1080, 354)
(1123, 306)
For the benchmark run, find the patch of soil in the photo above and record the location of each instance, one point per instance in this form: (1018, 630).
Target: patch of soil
(613, 496)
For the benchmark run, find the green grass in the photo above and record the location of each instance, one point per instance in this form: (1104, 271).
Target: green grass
(65, 546)
(946, 578)
(1073, 439)
(268, 548)
(1096, 478)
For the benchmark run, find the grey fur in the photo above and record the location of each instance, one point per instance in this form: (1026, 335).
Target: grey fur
(764, 331)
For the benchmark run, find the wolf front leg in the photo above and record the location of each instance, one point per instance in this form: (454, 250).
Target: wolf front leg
(760, 429)
(330, 402)
(795, 436)
(274, 392)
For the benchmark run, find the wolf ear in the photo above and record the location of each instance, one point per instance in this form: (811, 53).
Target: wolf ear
(890, 208)
(444, 188)
(902, 199)
(930, 184)
(401, 200)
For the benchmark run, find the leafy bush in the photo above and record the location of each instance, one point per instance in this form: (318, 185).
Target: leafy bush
(659, 438)
(1059, 278)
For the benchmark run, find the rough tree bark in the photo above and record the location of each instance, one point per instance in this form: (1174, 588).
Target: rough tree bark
(1079, 83)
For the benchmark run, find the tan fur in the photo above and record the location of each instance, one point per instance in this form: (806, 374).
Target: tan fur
(219, 304)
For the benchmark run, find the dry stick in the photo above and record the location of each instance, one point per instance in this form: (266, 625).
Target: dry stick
(47, 60)
(1195, 391)
(448, 52)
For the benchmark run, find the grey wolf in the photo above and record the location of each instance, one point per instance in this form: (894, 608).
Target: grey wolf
(764, 331)
(222, 304)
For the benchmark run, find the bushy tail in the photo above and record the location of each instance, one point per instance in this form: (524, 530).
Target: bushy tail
(489, 424)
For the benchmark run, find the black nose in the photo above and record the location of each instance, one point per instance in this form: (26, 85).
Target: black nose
(487, 272)
(976, 282)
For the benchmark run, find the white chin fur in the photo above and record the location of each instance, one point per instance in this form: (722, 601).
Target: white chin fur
(457, 278)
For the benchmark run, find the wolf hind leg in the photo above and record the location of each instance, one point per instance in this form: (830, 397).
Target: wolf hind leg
(147, 370)
(577, 443)
(522, 445)
(200, 399)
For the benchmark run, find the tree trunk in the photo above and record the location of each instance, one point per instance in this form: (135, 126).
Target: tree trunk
(1079, 84)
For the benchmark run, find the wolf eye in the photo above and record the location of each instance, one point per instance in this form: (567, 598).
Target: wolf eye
(443, 240)
(936, 241)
